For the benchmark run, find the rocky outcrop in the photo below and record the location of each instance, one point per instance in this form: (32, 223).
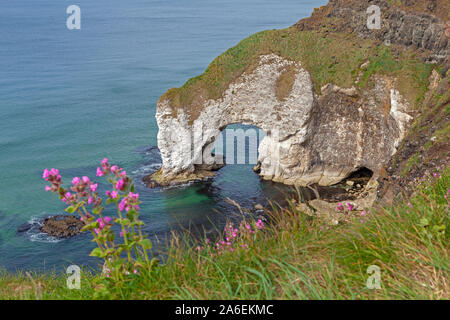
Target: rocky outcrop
(425, 149)
(313, 135)
(310, 139)
(419, 24)
(62, 226)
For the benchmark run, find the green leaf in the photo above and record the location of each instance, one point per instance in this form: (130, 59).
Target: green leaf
(123, 221)
(86, 228)
(70, 209)
(97, 252)
(146, 243)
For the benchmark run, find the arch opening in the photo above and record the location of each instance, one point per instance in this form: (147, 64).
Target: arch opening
(236, 144)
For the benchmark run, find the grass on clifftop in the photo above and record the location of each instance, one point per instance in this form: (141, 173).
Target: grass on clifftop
(333, 58)
(296, 257)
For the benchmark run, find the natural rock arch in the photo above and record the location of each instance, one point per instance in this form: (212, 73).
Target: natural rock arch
(310, 138)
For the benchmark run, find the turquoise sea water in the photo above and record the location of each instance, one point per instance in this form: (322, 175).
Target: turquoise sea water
(70, 98)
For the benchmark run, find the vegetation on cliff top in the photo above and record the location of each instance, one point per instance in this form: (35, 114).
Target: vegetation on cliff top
(320, 53)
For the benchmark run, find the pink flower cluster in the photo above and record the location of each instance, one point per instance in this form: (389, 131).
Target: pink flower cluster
(103, 222)
(54, 178)
(105, 169)
(363, 215)
(131, 201)
(259, 224)
(341, 207)
(82, 188)
(235, 237)
(121, 180)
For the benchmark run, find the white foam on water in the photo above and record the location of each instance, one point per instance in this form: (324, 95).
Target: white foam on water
(36, 235)
(147, 169)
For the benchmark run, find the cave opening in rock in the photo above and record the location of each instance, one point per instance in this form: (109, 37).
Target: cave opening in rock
(363, 174)
(350, 188)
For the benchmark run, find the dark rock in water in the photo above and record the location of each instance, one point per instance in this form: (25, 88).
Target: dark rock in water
(218, 164)
(62, 226)
(24, 227)
(150, 183)
(257, 168)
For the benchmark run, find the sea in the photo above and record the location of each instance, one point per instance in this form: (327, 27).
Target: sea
(71, 97)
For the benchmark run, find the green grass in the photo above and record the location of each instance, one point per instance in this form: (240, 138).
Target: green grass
(296, 257)
(321, 55)
(414, 160)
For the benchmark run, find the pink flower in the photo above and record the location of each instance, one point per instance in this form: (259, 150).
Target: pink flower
(47, 188)
(104, 162)
(114, 169)
(120, 184)
(260, 224)
(349, 206)
(67, 197)
(102, 224)
(112, 194)
(99, 172)
(46, 174)
(90, 200)
(86, 180)
(134, 271)
(131, 201)
(363, 213)
(76, 181)
(93, 187)
(340, 207)
(122, 204)
(87, 216)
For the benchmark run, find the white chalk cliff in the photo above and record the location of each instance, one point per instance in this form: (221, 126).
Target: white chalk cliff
(309, 138)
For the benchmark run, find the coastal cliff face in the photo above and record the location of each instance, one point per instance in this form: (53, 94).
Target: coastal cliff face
(330, 100)
(420, 24)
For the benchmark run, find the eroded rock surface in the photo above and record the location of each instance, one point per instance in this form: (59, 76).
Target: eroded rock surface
(310, 139)
(62, 226)
(316, 135)
(420, 24)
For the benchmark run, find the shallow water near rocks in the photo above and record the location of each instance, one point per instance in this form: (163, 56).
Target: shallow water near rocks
(70, 98)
